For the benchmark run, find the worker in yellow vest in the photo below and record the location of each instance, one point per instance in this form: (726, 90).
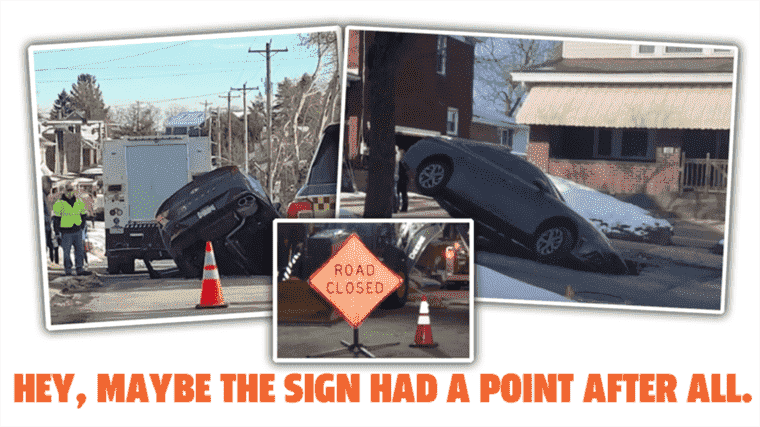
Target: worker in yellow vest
(69, 215)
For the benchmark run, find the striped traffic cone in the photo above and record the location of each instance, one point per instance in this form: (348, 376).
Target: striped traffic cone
(424, 335)
(211, 292)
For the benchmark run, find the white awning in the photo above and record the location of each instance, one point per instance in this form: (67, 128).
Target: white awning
(656, 107)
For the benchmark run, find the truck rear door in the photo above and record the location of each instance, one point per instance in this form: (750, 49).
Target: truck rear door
(154, 172)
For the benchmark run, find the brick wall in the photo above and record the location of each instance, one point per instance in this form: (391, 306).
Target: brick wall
(622, 177)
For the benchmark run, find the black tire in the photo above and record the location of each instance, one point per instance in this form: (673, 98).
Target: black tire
(114, 265)
(128, 266)
(432, 176)
(553, 242)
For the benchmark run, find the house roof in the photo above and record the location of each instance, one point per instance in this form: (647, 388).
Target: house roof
(635, 65)
(629, 106)
(193, 118)
(491, 117)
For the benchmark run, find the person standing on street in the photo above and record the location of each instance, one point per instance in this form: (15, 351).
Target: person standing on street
(69, 214)
(402, 183)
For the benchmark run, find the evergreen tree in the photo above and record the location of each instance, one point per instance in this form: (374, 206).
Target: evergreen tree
(61, 106)
(87, 97)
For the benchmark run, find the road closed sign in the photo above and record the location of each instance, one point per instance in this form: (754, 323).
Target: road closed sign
(354, 281)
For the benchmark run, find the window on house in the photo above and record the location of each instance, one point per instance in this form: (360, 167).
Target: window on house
(507, 136)
(604, 143)
(646, 48)
(625, 144)
(634, 143)
(452, 122)
(440, 65)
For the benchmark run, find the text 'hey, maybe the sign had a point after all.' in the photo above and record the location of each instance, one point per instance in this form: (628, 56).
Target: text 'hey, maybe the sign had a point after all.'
(354, 281)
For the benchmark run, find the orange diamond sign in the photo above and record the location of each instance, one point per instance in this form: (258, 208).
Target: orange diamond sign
(354, 281)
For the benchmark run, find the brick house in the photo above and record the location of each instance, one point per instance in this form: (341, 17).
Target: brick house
(433, 89)
(632, 118)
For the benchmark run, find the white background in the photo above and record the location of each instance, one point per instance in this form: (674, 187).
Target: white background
(510, 338)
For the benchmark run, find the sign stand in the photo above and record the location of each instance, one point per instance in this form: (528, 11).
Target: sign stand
(356, 348)
(354, 281)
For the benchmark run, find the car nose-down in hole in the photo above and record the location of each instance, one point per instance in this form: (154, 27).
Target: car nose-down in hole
(510, 200)
(228, 208)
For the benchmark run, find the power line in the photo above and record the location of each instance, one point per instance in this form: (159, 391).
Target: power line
(245, 121)
(105, 79)
(150, 66)
(168, 99)
(117, 59)
(126, 67)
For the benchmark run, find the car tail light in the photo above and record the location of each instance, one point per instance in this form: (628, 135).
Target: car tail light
(298, 207)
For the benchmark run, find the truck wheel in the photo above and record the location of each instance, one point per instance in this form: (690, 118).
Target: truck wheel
(113, 265)
(128, 266)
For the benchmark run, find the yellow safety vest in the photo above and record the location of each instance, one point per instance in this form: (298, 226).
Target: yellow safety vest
(70, 215)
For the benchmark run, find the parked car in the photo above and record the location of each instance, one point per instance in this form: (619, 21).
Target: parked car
(317, 198)
(509, 199)
(228, 208)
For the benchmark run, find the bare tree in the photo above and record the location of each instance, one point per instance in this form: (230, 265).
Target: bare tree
(495, 59)
(136, 120)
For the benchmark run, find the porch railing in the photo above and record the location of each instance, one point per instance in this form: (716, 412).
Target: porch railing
(709, 175)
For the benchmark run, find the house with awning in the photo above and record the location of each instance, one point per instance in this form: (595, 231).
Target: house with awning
(630, 118)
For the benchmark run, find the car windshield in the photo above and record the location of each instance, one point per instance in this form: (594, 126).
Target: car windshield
(324, 169)
(508, 161)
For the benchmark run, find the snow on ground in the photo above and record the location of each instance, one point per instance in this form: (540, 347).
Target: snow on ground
(611, 216)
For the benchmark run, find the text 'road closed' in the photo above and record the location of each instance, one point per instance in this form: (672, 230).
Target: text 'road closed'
(354, 281)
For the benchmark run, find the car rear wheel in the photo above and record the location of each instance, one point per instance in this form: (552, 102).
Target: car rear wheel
(433, 175)
(553, 242)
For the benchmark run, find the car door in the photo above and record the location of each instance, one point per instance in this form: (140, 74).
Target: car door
(506, 198)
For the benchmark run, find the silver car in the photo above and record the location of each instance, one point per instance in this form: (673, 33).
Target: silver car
(509, 199)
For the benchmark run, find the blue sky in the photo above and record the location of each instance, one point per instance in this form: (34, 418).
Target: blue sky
(162, 72)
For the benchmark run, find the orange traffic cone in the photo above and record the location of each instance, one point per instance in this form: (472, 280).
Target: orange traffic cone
(424, 335)
(211, 292)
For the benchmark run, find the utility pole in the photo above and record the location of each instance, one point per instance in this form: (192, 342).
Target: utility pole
(268, 51)
(137, 125)
(219, 133)
(229, 121)
(205, 111)
(245, 121)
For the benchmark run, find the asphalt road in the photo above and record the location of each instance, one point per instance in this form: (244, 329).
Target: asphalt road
(137, 297)
(450, 329)
(661, 283)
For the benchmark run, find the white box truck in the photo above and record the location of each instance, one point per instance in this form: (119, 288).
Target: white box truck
(139, 173)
